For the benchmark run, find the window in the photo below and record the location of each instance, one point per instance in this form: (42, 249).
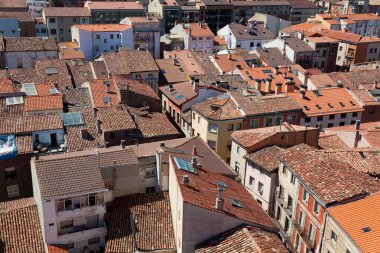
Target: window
(53, 31)
(354, 114)
(51, 20)
(342, 123)
(67, 224)
(237, 166)
(293, 179)
(316, 207)
(96, 48)
(307, 119)
(212, 128)
(305, 196)
(61, 31)
(298, 243)
(10, 173)
(117, 36)
(230, 127)
(292, 118)
(331, 117)
(111, 36)
(260, 188)
(253, 123)
(319, 118)
(290, 202)
(251, 181)
(199, 119)
(238, 126)
(301, 220)
(340, 48)
(251, 44)
(112, 47)
(150, 189)
(212, 144)
(238, 149)
(105, 40)
(269, 122)
(330, 124)
(312, 231)
(92, 200)
(98, 36)
(12, 191)
(334, 237)
(343, 115)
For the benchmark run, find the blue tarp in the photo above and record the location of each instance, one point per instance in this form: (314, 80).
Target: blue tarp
(8, 147)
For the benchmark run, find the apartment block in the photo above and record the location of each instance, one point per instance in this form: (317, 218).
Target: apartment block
(168, 13)
(95, 39)
(59, 20)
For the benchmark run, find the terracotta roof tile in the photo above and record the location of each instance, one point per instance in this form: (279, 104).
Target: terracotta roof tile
(355, 216)
(195, 30)
(115, 118)
(258, 32)
(81, 71)
(221, 107)
(20, 227)
(266, 158)
(28, 124)
(152, 217)
(331, 179)
(74, 139)
(104, 5)
(331, 141)
(77, 100)
(54, 71)
(153, 124)
(24, 144)
(229, 62)
(22, 44)
(102, 27)
(56, 249)
(327, 101)
(66, 12)
(99, 95)
(6, 86)
(243, 239)
(202, 191)
(128, 61)
(42, 103)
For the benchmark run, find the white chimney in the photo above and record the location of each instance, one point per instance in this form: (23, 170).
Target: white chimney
(357, 133)
(219, 205)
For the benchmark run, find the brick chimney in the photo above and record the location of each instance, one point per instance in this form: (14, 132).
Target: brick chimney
(196, 83)
(302, 94)
(289, 86)
(219, 205)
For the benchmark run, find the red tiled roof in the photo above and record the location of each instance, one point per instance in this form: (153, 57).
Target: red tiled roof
(115, 118)
(331, 179)
(331, 141)
(229, 62)
(340, 100)
(31, 123)
(20, 229)
(196, 30)
(42, 103)
(266, 158)
(152, 217)
(6, 86)
(353, 217)
(202, 191)
(56, 249)
(102, 27)
(243, 239)
(99, 93)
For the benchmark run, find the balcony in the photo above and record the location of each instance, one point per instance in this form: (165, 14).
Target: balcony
(300, 229)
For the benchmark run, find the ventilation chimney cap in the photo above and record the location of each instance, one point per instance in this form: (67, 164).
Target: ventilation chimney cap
(185, 179)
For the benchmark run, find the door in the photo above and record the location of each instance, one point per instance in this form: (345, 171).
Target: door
(53, 140)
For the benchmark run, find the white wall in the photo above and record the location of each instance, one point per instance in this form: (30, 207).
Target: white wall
(259, 176)
(27, 58)
(336, 121)
(235, 157)
(44, 136)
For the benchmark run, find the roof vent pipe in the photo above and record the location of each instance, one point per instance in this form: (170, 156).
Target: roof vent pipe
(219, 205)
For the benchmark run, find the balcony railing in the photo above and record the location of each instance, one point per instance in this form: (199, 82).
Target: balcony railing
(310, 243)
(300, 229)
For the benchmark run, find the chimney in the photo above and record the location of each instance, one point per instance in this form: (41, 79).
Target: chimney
(289, 86)
(302, 93)
(258, 84)
(219, 205)
(192, 80)
(196, 83)
(276, 70)
(194, 160)
(122, 143)
(339, 83)
(108, 87)
(109, 74)
(94, 112)
(107, 144)
(170, 87)
(98, 126)
(162, 144)
(357, 133)
(84, 133)
(56, 85)
(229, 56)
(185, 180)
(278, 88)
(268, 84)
(7, 72)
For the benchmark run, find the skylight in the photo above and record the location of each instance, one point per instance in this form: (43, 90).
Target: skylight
(181, 69)
(235, 203)
(267, 71)
(184, 165)
(107, 100)
(29, 89)
(352, 103)
(306, 108)
(180, 96)
(14, 100)
(53, 91)
(330, 105)
(342, 104)
(72, 118)
(318, 106)
(366, 229)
